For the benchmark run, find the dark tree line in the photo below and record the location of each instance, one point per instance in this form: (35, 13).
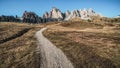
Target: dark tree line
(33, 20)
(28, 17)
(4, 18)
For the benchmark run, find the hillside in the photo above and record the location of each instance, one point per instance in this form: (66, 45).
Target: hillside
(87, 45)
(18, 45)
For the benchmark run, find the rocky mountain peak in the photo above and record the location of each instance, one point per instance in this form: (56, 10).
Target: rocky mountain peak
(85, 10)
(55, 9)
(82, 14)
(67, 13)
(55, 13)
(29, 15)
(90, 10)
(46, 15)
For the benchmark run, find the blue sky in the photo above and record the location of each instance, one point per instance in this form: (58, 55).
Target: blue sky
(109, 8)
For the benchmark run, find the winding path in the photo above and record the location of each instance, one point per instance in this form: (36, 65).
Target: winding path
(51, 56)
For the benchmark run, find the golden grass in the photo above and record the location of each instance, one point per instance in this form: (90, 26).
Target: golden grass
(88, 49)
(7, 30)
(81, 24)
(20, 51)
(84, 49)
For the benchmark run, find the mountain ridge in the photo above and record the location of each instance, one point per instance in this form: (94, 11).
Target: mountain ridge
(54, 14)
(82, 14)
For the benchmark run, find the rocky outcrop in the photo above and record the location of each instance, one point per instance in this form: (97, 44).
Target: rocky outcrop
(82, 14)
(73, 14)
(54, 15)
(31, 17)
(67, 13)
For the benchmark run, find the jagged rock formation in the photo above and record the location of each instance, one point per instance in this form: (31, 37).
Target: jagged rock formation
(73, 14)
(54, 15)
(82, 14)
(67, 13)
(31, 17)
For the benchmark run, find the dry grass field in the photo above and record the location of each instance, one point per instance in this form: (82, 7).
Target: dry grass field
(81, 25)
(87, 45)
(18, 45)
(98, 47)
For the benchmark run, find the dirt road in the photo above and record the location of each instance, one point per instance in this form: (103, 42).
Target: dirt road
(50, 55)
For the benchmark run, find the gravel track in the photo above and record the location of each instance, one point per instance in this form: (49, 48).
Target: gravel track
(50, 55)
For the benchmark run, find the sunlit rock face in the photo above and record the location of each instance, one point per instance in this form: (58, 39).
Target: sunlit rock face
(73, 14)
(67, 13)
(56, 15)
(82, 14)
(46, 15)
